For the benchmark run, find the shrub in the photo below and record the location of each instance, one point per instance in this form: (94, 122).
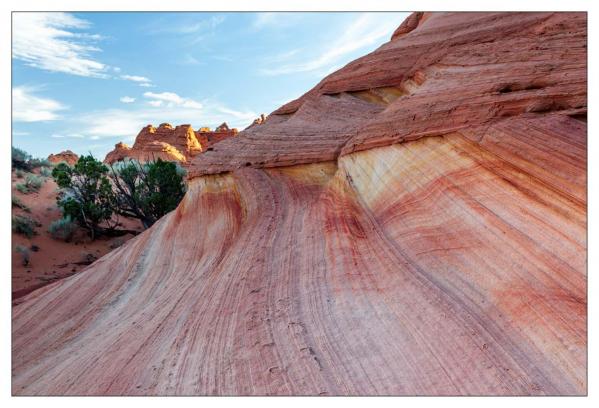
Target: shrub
(33, 182)
(19, 173)
(25, 255)
(22, 188)
(35, 163)
(45, 171)
(88, 198)
(16, 202)
(147, 191)
(63, 229)
(20, 158)
(24, 225)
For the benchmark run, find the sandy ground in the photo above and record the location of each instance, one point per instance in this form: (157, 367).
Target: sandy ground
(51, 259)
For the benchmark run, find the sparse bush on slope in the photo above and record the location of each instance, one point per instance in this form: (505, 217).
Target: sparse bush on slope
(63, 229)
(16, 202)
(20, 159)
(32, 183)
(24, 225)
(25, 254)
(36, 162)
(45, 171)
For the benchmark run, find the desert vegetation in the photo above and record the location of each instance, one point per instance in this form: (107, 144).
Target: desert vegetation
(24, 225)
(25, 254)
(23, 161)
(18, 203)
(94, 195)
(147, 191)
(63, 229)
(25, 166)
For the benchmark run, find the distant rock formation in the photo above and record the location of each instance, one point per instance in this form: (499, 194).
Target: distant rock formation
(258, 121)
(170, 143)
(207, 137)
(66, 156)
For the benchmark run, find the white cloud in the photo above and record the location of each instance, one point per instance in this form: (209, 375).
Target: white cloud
(125, 124)
(366, 30)
(67, 136)
(19, 133)
(165, 96)
(135, 78)
(127, 99)
(140, 80)
(48, 41)
(237, 115)
(171, 99)
(155, 103)
(27, 107)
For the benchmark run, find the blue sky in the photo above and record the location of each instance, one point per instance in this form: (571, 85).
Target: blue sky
(86, 81)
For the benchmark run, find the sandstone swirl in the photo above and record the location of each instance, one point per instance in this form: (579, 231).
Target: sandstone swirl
(452, 263)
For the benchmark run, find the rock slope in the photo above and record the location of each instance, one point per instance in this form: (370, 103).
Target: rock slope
(414, 225)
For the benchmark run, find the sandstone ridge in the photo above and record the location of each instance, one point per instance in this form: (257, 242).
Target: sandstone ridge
(166, 142)
(440, 73)
(413, 225)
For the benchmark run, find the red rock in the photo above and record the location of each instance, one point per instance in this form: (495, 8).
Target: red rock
(442, 72)
(432, 243)
(65, 156)
(168, 143)
(208, 138)
(120, 152)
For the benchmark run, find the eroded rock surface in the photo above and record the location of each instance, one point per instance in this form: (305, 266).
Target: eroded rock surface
(442, 72)
(169, 143)
(432, 242)
(65, 156)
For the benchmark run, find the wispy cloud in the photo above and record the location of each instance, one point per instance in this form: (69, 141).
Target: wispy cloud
(127, 99)
(28, 107)
(365, 30)
(19, 133)
(135, 78)
(138, 79)
(186, 26)
(67, 136)
(189, 59)
(125, 124)
(171, 99)
(199, 26)
(275, 20)
(48, 41)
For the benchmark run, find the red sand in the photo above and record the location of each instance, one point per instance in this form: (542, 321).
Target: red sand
(55, 259)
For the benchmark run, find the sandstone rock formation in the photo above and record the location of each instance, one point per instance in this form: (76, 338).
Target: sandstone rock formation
(180, 143)
(259, 121)
(65, 156)
(208, 138)
(414, 225)
(453, 71)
